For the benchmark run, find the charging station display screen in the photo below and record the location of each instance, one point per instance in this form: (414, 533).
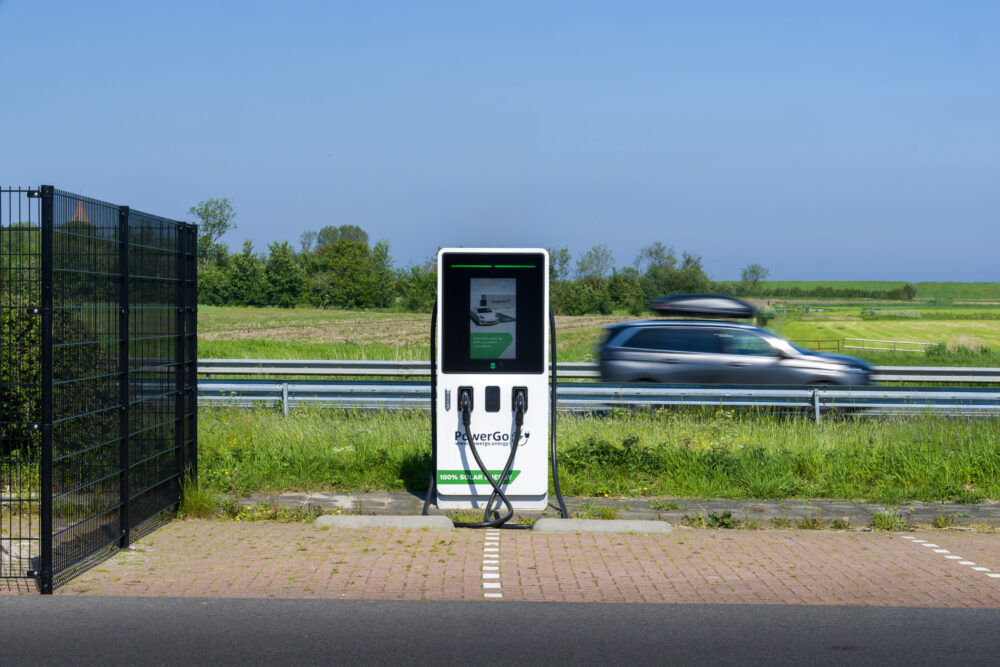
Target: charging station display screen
(492, 318)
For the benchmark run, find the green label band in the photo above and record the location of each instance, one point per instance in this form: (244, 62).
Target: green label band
(472, 477)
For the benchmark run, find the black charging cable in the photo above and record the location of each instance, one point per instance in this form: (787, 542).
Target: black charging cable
(465, 405)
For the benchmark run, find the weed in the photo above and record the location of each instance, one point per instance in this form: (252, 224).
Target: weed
(811, 523)
(781, 522)
(696, 521)
(662, 505)
(197, 502)
(233, 510)
(591, 511)
(721, 519)
(944, 520)
(752, 524)
(841, 524)
(890, 520)
(465, 516)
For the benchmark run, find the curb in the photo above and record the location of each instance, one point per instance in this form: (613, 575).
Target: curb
(353, 522)
(636, 526)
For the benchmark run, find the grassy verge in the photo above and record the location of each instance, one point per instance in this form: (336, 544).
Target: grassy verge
(719, 454)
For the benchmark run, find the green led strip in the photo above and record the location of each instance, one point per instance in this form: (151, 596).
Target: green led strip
(472, 266)
(515, 266)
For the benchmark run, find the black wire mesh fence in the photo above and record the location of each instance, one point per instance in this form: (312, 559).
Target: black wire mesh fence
(100, 337)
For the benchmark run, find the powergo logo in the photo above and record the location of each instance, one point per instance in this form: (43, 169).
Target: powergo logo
(494, 438)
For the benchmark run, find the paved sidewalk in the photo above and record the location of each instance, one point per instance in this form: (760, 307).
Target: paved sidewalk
(231, 559)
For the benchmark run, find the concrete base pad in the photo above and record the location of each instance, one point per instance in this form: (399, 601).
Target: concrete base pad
(637, 527)
(384, 521)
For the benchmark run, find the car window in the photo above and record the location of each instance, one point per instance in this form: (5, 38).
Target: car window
(741, 342)
(670, 339)
(649, 338)
(482, 310)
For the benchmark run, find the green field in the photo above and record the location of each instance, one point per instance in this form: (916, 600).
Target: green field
(926, 291)
(275, 333)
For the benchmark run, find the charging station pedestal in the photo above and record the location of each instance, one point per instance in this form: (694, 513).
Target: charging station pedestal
(492, 346)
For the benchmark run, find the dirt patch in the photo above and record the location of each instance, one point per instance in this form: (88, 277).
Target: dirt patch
(386, 331)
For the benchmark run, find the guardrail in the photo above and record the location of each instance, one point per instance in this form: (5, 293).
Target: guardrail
(569, 370)
(897, 345)
(591, 397)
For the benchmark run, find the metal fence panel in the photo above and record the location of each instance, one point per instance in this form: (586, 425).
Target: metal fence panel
(20, 381)
(112, 431)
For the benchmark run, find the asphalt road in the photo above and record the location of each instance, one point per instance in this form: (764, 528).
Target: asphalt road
(196, 631)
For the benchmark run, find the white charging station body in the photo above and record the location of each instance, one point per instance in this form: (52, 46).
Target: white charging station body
(493, 339)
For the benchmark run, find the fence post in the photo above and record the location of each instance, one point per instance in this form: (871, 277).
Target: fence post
(816, 404)
(284, 399)
(124, 428)
(191, 303)
(181, 367)
(45, 481)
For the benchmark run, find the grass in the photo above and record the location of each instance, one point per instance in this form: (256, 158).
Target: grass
(890, 520)
(678, 454)
(936, 291)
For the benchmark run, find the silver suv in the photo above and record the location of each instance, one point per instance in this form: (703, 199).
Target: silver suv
(698, 352)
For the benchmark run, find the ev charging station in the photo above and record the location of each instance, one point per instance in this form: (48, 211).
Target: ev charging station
(491, 380)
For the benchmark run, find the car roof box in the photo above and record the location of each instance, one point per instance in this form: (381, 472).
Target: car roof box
(702, 305)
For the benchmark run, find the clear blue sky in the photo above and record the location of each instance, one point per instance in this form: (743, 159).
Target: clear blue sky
(824, 140)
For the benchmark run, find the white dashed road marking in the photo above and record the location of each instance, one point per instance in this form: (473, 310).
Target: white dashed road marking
(491, 564)
(968, 563)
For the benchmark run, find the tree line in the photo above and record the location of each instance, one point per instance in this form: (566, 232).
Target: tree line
(338, 267)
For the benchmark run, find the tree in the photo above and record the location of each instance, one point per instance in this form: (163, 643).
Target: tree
(909, 291)
(655, 256)
(216, 216)
(753, 274)
(692, 278)
(306, 240)
(559, 264)
(330, 235)
(596, 263)
(246, 276)
(283, 277)
(382, 280)
(341, 275)
(420, 286)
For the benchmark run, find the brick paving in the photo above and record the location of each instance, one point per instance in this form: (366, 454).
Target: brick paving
(231, 559)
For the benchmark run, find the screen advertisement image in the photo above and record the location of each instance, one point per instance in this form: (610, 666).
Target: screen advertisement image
(493, 315)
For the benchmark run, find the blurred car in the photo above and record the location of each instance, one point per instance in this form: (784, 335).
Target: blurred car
(483, 315)
(713, 352)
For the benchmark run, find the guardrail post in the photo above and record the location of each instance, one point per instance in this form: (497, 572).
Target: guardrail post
(816, 403)
(284, 398)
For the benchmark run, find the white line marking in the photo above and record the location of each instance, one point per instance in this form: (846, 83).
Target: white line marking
(916, 541)
(492, 595)
(489, 550)
(953, 557)
(981, 569)
(491, 584)
(491, 575)
(965, 562)
(994, 575)
(941, 551)
(491, 561)
(490, 567)
(928, 544)
(908, 537)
